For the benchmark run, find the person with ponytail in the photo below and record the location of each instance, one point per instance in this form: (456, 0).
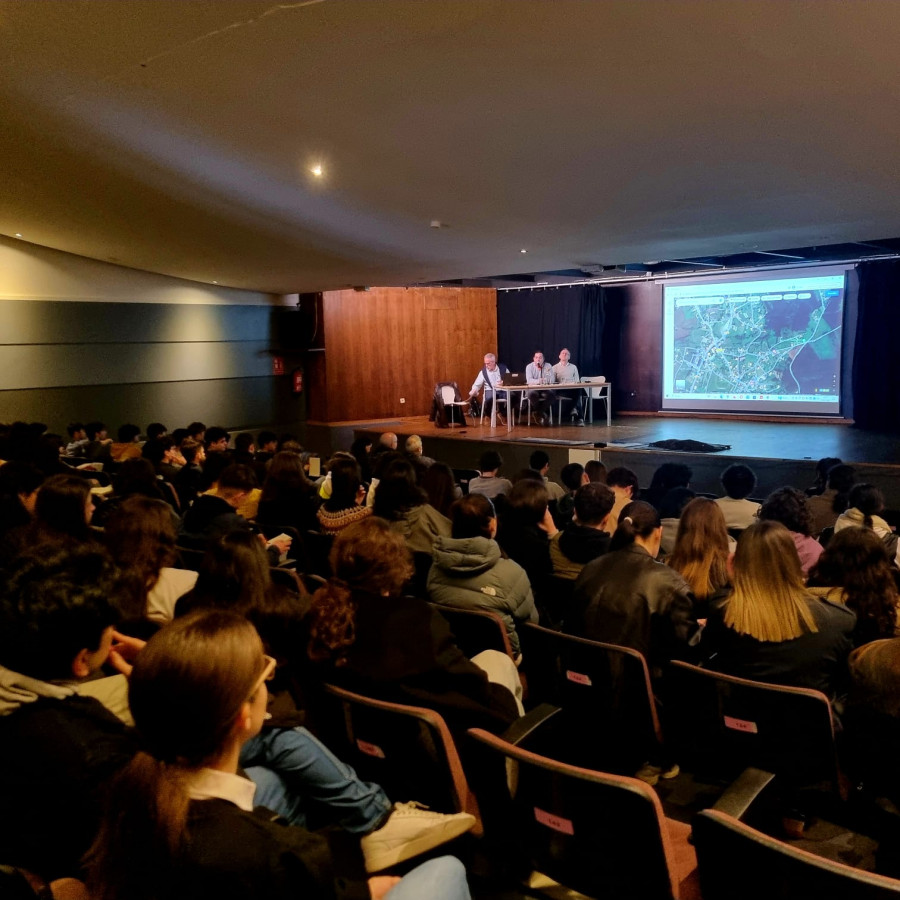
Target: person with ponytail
(180, 820)
(626, 597)
(864, 503)
(769, 627)
(366, 636)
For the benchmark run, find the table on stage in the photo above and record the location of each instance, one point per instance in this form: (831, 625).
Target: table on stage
(594, 390)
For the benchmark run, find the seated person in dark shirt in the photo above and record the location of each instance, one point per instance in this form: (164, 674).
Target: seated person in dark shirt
(585, 537)
(572, 477)
(213, 515)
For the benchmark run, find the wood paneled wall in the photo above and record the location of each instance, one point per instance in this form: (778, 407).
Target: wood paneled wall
(386, 344)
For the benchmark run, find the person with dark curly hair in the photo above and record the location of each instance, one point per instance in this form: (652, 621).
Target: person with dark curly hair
(366, 636)
(855, 570)
(788, 506)
(826, 507)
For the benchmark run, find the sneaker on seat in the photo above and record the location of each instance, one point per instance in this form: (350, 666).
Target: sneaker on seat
(411, 829)
(651, 774)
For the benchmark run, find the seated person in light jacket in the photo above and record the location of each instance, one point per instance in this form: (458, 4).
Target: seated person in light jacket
(470, 572)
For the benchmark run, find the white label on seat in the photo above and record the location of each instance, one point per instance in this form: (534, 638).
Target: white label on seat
(370, 749)
(740, 725)
(557, 823)
(578, 678)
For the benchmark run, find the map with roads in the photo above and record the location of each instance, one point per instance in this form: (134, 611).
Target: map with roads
(759, 344)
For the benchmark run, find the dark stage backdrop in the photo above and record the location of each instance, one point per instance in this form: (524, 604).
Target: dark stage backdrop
(549, 319)
(876, 394)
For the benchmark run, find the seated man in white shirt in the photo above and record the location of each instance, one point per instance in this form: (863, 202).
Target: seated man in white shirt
(565, 372)
(490, 377)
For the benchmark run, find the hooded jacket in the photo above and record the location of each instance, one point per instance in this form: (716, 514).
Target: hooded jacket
(574, 547)
(470, 573)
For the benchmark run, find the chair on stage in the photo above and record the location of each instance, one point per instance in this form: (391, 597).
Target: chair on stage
(447, 399)
(497, 396)
(600, 389)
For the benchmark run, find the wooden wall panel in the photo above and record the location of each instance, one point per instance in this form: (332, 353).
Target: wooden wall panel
(386, 344)
(638, 383)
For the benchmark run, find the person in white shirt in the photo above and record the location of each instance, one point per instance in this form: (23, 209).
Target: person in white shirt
(490, 377)
(565, 372)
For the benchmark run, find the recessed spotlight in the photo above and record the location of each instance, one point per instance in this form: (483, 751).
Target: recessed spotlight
(523, 251)
(18, 234)
(317, 171)
(215, 282)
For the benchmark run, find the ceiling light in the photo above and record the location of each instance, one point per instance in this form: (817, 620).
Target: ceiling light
(523, 251)
(18, 234)
(215, 282)
(317, 171)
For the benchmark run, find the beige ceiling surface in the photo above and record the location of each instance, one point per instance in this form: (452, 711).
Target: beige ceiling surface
(178, 137)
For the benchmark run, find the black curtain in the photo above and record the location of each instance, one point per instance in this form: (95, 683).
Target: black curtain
(876, 397)
(548, 319)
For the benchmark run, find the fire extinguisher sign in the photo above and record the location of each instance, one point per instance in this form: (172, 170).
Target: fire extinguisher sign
(278, 365)
(297, 381)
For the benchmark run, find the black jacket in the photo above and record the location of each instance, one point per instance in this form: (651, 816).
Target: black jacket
(628, 598)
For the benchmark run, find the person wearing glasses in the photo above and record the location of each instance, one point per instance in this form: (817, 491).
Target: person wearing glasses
(180, 818)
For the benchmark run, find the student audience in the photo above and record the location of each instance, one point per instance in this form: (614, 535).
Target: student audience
(62, 596)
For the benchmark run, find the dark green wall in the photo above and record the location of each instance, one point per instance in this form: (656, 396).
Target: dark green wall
(142, 362)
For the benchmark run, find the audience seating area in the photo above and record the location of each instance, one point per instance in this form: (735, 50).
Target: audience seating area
(562, 794)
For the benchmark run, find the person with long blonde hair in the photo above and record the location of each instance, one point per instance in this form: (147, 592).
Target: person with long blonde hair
(770, 627)
(701, 549)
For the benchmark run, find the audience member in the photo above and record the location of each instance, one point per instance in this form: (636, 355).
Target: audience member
(788, 506)
(526, 528)
(62, 513)
(670, 509)
(489, 483)
(156, 430)
(855, 570)
(361, 449)
(196, 431)
(701, 552)
(572, 476)
(58, 749)
(369, 638)
(413, 448)
(470, 572)
(19, 483)
(823, 466)
(127, 446)
(345, 506)
(216, 440)
(864, 503)
(585, 538)
(624, 484)
(405, 505)
(440, 488)
(266, 446)
(198, 693)
(594, 470)
(739, 481)
(769, 627)
(97, 448)
(628, 598)
(667, 477)
(288, 496)
(824, 508)
(78, 439)
(141, 535)
(540, 462)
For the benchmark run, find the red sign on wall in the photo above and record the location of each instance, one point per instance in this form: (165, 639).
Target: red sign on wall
(278, 365)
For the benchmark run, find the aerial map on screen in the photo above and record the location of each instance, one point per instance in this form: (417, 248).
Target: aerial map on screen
(777, 341)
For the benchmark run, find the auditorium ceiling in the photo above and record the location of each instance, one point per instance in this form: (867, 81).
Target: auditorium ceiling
(313, 145)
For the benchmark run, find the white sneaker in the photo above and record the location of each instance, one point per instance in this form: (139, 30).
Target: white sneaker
(411, 829)
(651, 774)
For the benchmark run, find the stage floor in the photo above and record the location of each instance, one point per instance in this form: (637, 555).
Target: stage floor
(781, 453)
